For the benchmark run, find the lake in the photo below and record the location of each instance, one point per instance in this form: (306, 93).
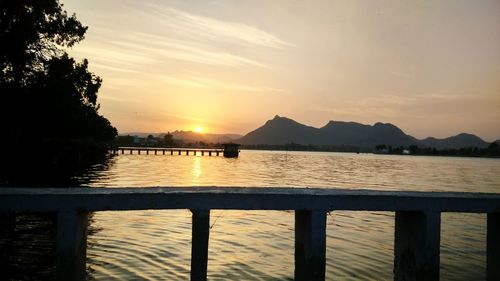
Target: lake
(259, 245)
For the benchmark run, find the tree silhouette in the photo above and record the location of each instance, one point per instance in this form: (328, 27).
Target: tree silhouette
(168, 139)
(47, 99)
(45, 94)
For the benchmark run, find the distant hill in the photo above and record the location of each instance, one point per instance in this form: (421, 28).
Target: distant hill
(458, 141)
(282, 130)
(190, 136)
(356, 134)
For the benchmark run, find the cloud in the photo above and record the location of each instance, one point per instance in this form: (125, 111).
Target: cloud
(109, 67)
(158, 34)
(114, 55)
(204, 27)
(125, 52)
(198, 82)
(118, 99)
(182, 82)
(159, 46)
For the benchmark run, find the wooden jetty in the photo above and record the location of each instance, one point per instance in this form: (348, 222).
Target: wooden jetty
(417, 228)
(169, 151)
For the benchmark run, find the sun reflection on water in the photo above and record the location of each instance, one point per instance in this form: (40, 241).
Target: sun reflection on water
(258, 245)
(196, 170)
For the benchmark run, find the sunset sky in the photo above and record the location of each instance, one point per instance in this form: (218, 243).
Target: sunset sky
(430, 67)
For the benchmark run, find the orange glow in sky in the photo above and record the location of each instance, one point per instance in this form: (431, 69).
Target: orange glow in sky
(430, 67)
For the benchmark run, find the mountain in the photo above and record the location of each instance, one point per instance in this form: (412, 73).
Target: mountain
(356, 134)
(282, 130)
(458, 141)
(190, 136)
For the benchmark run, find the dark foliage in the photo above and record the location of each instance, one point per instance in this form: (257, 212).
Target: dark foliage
(45, 94)
(49, 120)
(151, 141)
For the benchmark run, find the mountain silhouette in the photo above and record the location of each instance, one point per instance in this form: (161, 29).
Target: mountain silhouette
(458, 141)
(282, 130)
(190, 136)
(356, 134)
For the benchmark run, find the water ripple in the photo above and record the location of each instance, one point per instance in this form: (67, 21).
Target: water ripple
(259, 245)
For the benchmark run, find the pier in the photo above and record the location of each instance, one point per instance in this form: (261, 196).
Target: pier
(417, 220)
(169, 151)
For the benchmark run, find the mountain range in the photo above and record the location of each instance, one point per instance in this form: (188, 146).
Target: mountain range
(190, 136)
(282, 130)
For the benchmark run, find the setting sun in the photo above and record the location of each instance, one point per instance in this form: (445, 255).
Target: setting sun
(199, 129)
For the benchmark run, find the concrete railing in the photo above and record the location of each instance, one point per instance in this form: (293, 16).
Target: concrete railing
(417, 226)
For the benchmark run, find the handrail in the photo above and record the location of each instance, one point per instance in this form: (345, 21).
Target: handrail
(417, 225)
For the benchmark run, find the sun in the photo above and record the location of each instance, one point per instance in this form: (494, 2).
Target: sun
(198, 129)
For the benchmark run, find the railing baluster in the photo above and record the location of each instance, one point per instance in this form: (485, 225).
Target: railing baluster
(493, 247)
(199, 247)
(310, 245)
(71, 245)
(416, 246)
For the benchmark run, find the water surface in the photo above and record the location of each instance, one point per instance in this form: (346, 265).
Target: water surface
(259, 245)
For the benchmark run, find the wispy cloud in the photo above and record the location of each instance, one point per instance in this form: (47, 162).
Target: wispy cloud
(182, 82)
(112, 68)
(198, 82)
(114, 55)
(214, 29)
(117, 99)
(181, 50)
(160, 34)
(119, 60)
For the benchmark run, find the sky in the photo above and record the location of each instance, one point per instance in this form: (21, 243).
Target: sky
(430, 67)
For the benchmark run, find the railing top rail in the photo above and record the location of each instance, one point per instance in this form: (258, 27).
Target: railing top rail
(242, 198)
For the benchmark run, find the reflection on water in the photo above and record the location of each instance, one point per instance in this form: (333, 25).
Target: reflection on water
(196, 171)
(28, 241)
(259, 245)
(27, 247)
(301, 169)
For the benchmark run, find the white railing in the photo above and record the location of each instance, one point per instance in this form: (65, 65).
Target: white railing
(417, 226)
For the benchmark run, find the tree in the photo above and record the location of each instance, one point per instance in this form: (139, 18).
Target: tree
(44, 93)
(413, 149)
(168, 139)
(494, 149)
(493, 146)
